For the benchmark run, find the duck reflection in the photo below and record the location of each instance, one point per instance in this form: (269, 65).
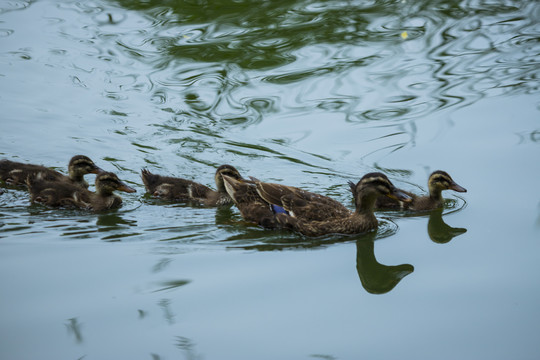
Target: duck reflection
(375, 277)
(439, 231)
(113, 220)
(110, 223)
(224, 215)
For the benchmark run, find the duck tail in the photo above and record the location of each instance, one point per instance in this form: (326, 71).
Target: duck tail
(231, 186)
(151, 181)
(352, 187)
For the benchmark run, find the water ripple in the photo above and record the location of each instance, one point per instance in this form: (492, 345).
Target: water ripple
(14, 5)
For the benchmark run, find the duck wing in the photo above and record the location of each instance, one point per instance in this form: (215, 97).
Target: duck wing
(301, 203)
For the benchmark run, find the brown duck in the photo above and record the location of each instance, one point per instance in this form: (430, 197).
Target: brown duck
(313, 214)
(15, 173)
(65, 194)
(183, 190)
(437, 182)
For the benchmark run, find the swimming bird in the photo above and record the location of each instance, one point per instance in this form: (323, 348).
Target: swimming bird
(312, 214)
(16, 173)
(438, 181)
(65, 194)
(183, 190)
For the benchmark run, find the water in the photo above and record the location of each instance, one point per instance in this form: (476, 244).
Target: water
(311, 94)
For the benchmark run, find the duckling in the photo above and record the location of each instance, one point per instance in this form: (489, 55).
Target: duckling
(184, 190)
(313, 214)
(437, 182)
(65, 194)
(16, 173)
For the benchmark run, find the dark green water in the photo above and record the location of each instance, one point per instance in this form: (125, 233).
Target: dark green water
(310, 94)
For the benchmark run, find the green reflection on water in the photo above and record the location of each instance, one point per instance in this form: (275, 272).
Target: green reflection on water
(377, 278)
(439, 231)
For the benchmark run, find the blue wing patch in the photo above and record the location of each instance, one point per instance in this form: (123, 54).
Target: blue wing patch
(278, 209)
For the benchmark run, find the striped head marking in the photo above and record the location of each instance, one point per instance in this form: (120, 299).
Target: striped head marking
(107, 182)
(375, 184)
(81, 165)
(440, 180)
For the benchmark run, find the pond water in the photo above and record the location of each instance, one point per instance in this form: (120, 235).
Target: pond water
(306, 93)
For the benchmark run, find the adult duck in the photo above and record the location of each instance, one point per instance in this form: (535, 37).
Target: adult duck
(312, 214)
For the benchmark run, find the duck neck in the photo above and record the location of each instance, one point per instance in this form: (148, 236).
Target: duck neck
(75, 175)
(435, 195)
(366, 204)
(103, 192)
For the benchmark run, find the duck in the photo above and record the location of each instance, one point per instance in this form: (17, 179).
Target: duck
(16, 173)
(184, 190)
(309, 213)
(438, 181)
(70, 195)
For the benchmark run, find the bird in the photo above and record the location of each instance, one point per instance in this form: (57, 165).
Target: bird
(65, 194)
(184, 190)
(309, 213)
(16, 173)
(438, 181)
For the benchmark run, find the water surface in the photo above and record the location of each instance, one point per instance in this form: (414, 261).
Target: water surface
(306, 93)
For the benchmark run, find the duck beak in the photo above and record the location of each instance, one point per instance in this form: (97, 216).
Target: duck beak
(399, 195)
(123, 187)
(456, 187)
(97, 170)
